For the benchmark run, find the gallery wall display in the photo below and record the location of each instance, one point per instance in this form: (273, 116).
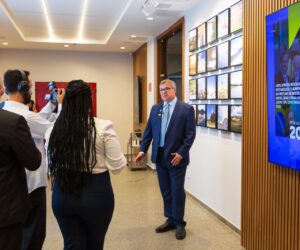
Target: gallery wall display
(212, 29)
(193, 89)
(201, 88)
(223, 87)
(223, 55)
(193, 39)
(236, 118)
(211, 87)
(236, 51)
(223, 117)
(201, 115)
(211, 58)
(201, 68)
(223, 23)
(236, 84)
(236, 17)
(211, 115)
(193, 65)
(201, 30)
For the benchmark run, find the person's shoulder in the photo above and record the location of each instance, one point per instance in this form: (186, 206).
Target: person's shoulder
(184, 105)
(103, 125)
(9, 116)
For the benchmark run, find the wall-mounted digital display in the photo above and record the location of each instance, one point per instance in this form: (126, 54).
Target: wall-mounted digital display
(223, 55)
(236, 51)
(223, 23)
(212, 58)
(212, 29)
(201, 30)
(223, 114)
(201, 112)
(192, 89)
(236, 118)
(201, 88)
(193, 40)
(283, 77)
(236, 85)
(201, 62)
(236, 17)
(223, 86)
(193, 65)
(211, 84)
(211, 116)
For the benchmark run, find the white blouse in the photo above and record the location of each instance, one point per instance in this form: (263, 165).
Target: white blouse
(108, 150)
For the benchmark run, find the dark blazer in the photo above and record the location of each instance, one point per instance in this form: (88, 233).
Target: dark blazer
(180, 133)
(279, 78)
(17, 150)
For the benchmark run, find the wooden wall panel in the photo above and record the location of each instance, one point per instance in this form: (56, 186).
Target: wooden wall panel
(270, 193)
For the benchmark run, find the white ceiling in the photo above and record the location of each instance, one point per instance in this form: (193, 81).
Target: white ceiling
(105, 25)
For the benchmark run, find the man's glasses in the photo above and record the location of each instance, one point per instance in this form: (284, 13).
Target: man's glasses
(165, 89)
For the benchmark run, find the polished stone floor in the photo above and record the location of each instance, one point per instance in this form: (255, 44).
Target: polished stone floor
(138, 210)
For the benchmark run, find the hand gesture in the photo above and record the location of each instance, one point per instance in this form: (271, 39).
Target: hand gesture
(176, 160)
(139, 158)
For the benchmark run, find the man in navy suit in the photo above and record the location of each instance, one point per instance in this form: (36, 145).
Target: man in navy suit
(171, 127)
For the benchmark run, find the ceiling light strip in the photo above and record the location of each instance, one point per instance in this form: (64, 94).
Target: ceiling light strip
(80, 32)
(50, 30)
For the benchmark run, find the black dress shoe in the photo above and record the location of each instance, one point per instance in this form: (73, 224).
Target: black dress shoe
(165, 227)
(180, 233)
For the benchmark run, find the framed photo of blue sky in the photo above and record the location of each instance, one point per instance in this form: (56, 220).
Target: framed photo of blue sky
(223, 87)
(201, 38)
(211, 87)
(212, 29)
(211, 115)
(236, 51)
(201, 61)
(236, 17)
(211, 59)
(201, 115)
(223, 55)
(223, 23)
(223, 115)
(193, 40)
(201, 88)
(236, 85)
(193, 65)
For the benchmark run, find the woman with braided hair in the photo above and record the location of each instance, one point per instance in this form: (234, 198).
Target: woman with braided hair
(80, 151)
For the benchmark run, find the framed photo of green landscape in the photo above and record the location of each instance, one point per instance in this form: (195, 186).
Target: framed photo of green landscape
(236, 118)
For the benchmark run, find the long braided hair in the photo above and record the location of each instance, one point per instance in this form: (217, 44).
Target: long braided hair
(71, 150)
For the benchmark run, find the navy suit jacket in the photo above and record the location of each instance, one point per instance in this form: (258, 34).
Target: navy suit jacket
(180, 133)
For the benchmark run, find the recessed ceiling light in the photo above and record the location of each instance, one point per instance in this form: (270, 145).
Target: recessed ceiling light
(122, 47)
(5, 43)
(66, 45)
(150, 18)
(133, 36)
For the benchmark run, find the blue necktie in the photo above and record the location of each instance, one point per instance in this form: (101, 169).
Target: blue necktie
(164, 124)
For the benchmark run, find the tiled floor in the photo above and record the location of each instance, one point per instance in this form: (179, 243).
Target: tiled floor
(138, 210)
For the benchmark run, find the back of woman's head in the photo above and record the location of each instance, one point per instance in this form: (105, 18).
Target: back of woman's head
(72, 150)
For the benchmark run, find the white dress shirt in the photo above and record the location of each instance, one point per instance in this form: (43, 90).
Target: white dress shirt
(38, 124)
(108, 150)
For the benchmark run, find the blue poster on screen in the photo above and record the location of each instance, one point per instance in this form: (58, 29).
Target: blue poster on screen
(283, 78)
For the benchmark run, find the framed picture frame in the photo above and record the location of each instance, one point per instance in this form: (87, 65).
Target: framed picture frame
(236, 51)
(195, 112)
(223, 117)
(211, 57)
(193, 40)
(211, 87)
(236, 17)
(193, 65)
(211, 116)
(201, 115)
(223, 87)
(201, 35)
(223, 23)
(201, 62)
(201, 88)
(212, 30)
(236, 118)
(236, 85)
(193, 89)
(223, 55)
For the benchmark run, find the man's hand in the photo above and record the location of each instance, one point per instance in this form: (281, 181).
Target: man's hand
(176, 160)
(60, 95)
(139, 158)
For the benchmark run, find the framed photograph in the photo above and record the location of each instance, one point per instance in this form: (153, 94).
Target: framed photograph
(211, 84)
(193, 89)
(193, 65)
(195, 112)
(211, 115)
(212, 29)
(223, 23)
(211, 58)
(201, 115)
(236, 51)
(236, 17)
(223, 87)
(201, 62)
(201, 88)
(223, 115)
(223, 55)
(201, 30)
(236, 118)
(193, 40)
(236, 85)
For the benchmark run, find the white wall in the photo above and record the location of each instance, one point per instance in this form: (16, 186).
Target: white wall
(111, 71)
(214, 174)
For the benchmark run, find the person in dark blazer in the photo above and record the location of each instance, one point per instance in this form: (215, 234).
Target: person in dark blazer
(282, 76)
(17, 150)
(171, 128)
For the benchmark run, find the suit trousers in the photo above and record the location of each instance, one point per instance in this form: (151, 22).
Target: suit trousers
(84, 218)
(34, 231)
(11, 236)
(171, 182)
